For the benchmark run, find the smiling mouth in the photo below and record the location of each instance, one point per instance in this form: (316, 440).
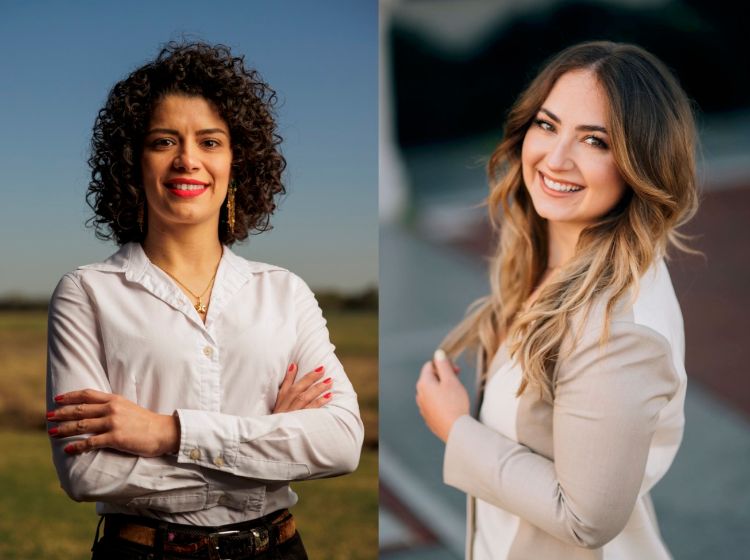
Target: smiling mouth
(186, 187)
(186, 190)
(559, 187)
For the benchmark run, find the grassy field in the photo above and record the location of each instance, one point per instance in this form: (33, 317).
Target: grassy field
(337, 517)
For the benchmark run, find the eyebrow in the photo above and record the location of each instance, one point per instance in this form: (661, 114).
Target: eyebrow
(584, 127)
(201, 132)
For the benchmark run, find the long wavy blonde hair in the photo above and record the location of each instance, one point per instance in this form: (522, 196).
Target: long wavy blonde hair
(652, 138)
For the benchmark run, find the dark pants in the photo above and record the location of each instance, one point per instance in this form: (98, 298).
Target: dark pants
(113, 548)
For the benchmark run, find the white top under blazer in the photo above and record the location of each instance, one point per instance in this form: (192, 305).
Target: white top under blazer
(124, 326)
(571, 481)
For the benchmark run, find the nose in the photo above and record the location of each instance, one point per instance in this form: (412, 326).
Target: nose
(559, 156)
(186, 159)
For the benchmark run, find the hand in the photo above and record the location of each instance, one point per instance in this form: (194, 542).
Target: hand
(116, 423)
(441, 397)
(305, 393)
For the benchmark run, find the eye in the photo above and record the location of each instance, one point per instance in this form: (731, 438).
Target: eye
(596, 142)
(162, 143)
(544, 125)
(211, 143)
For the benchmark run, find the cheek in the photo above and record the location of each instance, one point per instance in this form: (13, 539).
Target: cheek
(528, 157)
(612, 188)
(221, 167)
(149, 169)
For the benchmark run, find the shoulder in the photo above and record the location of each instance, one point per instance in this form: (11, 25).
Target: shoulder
(76, 279)
(271, 273)
(644, 324)
(122, 262)
(248, 267)
(650, 307)
(274, 282)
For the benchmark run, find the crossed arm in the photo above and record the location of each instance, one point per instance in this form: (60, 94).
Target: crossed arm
(107, 448)
(112, 421)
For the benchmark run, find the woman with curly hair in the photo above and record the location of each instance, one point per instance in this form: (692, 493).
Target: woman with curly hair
(186, 385)
(580, 343)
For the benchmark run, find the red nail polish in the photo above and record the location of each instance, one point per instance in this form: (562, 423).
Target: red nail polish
(327, 380)
(58, 398)
(52, 431)
(318, 369)
(291, 367)
(69, 448)
(50, 415)
(327, 396)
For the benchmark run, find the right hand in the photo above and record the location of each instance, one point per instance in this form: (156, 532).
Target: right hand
(308, 392)
(441, 397)
(115, 422)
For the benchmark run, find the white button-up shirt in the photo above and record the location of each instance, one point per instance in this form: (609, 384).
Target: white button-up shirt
(123, 326)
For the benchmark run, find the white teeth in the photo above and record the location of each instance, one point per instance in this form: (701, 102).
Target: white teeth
(181, 187)
(560, 187)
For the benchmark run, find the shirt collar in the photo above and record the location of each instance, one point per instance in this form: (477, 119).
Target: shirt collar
(131, 260)
(233, 273)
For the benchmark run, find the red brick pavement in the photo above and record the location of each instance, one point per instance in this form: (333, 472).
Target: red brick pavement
(715, 296)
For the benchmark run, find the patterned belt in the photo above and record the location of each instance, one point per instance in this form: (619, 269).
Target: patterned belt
(243, 540)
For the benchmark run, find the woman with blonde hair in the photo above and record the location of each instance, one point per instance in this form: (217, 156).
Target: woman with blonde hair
(580, 342)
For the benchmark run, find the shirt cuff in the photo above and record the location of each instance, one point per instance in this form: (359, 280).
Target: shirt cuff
(209, 440)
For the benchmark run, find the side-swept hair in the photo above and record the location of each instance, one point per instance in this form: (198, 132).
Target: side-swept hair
(652, 137)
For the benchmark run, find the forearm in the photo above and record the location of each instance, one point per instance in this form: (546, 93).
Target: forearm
(312, 443)
(106, 475)
(509, 475)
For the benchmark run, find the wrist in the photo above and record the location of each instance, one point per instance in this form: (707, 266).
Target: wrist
(171, 433)
(446, 431)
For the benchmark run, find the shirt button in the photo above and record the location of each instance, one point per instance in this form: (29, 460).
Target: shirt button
(219, 462)
(208, 351)
(195, 454)
(223, 499)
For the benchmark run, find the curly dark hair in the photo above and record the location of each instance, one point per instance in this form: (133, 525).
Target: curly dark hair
(243, 100)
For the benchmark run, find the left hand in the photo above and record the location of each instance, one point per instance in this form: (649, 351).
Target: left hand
(308, 392)
(115, 422)
(441, 397)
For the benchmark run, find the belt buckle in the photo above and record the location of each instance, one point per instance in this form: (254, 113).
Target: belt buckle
(261, 538)
(214, 552)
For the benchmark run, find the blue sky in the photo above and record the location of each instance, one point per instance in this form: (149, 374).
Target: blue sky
(59, 61)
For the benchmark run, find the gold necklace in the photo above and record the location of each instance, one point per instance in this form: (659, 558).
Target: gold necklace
(199, 307)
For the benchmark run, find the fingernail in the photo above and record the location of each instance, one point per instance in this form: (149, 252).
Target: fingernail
(69, 448)
(327, 396)
(318, 369)
(327, 380)
(52, 431)
(291, 367)
(50, 415)
(440, 355)
(58, 398)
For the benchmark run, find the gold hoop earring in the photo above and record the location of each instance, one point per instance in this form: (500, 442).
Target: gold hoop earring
(230, 206)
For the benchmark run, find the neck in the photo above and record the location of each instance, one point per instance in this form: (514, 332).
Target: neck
(561, 243)
(189, 251)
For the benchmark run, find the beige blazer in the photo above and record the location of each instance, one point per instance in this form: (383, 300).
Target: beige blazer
(572, 480)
